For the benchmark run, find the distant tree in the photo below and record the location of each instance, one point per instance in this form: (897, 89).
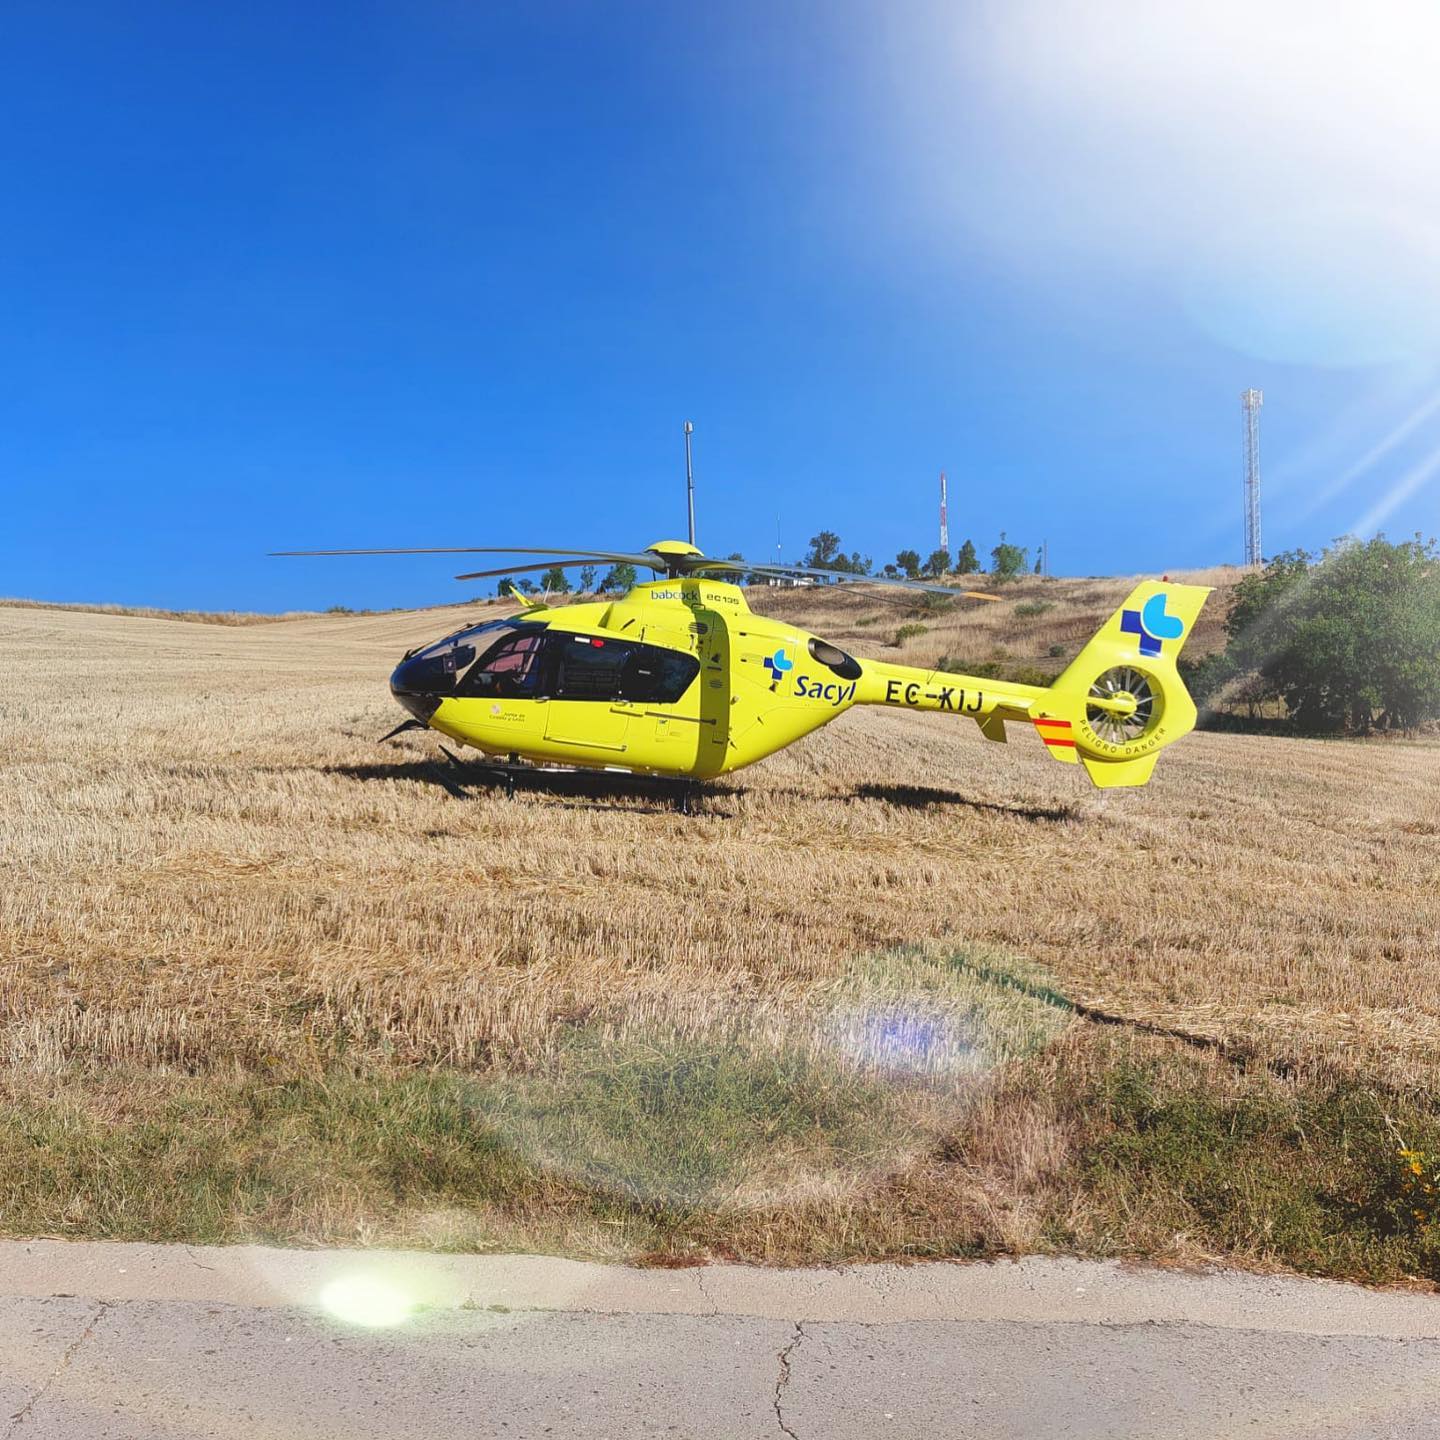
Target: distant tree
(967, 562)
(554, 582)
(504, 584)
(824, 547)
(618, 577)
(825, 554)
(891, 572)
(526, 587)
(587, 579)
(1009, 560)
(1339, 638)
(1040, 564)
(909, 562)
(938, 564)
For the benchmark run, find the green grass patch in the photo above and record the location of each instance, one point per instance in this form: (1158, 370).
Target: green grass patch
(1308, 1176)
(675, 1128)
(626, 1141)
(927, 1104)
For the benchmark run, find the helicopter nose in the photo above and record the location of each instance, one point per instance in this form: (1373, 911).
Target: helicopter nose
(413, 684)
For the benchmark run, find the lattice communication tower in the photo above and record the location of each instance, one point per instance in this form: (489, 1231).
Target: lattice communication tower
(1250, 402)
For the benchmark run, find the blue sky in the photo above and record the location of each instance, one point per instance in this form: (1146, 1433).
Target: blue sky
(443, 273)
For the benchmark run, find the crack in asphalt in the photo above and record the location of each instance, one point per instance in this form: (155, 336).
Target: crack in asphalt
(783, 1378)
(23, 1413)
(704, 1293)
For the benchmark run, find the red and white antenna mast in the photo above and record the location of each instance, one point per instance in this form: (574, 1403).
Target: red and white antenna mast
(944, 516)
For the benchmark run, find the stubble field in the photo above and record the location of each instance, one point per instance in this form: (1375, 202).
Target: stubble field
(896, 991)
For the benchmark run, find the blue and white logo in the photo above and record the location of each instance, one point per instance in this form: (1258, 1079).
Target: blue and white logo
(1152, 625)
(777, 664)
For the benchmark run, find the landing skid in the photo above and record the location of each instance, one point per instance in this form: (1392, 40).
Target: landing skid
(684, 794)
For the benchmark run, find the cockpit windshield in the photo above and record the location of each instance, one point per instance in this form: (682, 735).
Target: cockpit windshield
(439, 668)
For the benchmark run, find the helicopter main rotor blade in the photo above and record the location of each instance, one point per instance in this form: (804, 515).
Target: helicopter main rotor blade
(615, 556)
(657, 561)
(516, 569)
(848, 577)
(703, 565)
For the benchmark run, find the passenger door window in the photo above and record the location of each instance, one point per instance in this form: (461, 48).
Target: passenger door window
(653, 676)
(589, 668)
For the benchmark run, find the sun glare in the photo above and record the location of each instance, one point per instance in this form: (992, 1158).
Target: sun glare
(1270, 165)
(367, 1301)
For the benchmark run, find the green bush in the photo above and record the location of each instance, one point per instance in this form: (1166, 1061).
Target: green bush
(909, 632)
(1204, 678)
(1029, 609)
(1343, 636)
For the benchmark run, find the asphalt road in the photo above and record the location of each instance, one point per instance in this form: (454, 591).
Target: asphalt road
(153, 1341)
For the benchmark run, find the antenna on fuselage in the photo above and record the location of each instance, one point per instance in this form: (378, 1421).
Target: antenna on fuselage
(689, 480)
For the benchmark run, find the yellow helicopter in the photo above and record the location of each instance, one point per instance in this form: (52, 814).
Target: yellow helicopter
(680, 678)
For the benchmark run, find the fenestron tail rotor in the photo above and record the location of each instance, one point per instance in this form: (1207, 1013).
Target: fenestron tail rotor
(1124, 724)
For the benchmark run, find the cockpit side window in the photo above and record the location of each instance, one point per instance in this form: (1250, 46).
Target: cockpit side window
(512, 668)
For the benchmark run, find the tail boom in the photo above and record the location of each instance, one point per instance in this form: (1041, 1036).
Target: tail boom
(1113, 709)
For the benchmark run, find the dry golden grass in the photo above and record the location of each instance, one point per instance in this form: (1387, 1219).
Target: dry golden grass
(146, 612)
(211, 868)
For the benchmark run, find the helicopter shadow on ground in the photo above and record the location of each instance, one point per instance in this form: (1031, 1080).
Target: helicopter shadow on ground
(585, 790)
(923, 797)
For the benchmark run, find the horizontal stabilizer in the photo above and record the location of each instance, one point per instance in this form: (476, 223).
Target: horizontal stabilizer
(992, 726)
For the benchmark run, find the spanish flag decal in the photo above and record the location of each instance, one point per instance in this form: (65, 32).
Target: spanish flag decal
(1055, 733)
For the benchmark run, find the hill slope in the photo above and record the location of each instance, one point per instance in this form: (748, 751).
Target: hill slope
(262, 977)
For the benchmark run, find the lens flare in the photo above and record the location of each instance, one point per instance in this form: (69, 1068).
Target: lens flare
(367, 1301)
(906, 1040)
(1324, 494)
(1414, 479)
